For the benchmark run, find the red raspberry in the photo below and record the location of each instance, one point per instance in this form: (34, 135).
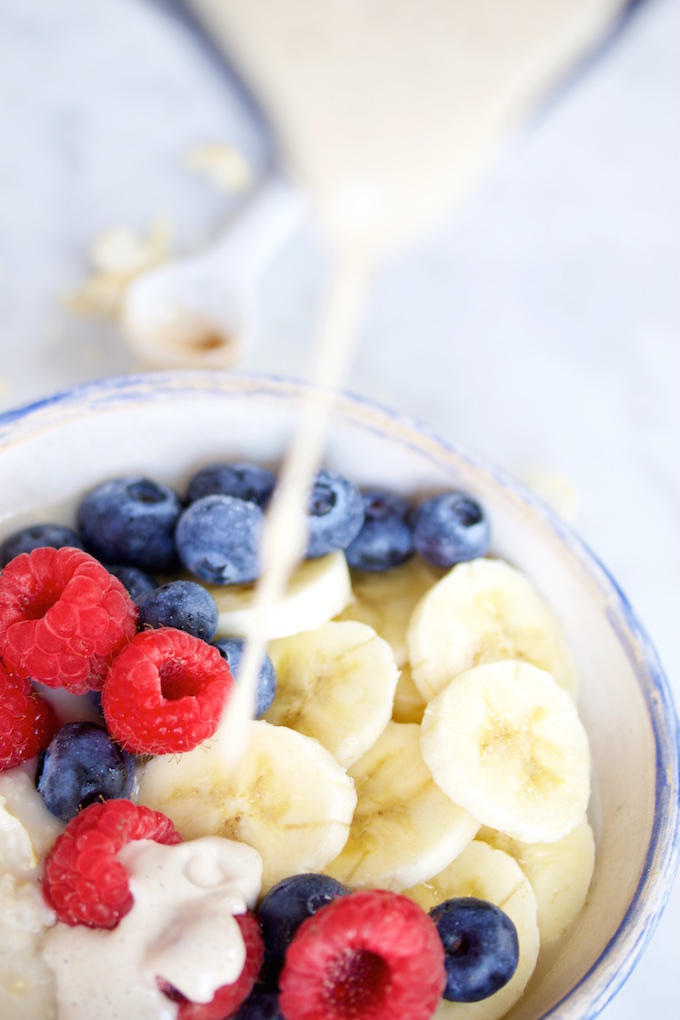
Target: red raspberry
(84, 883)
(165, 692)
(62, 618)
(371, 955)
(228, 998)
(27, 723)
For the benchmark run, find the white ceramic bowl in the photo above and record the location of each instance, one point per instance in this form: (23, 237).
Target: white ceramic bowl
(167, 425)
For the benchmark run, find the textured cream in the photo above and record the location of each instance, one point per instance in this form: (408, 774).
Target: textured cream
(181, 928)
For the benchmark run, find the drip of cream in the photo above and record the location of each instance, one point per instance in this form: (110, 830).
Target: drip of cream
(181, 929)
(386, 112)
(285, 533)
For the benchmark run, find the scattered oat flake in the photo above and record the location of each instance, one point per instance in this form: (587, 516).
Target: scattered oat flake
(100, 296)
(225, 166)
(117, 256)
(121, 252)
(554, 488)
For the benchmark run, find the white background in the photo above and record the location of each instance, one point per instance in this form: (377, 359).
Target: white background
(539, 326)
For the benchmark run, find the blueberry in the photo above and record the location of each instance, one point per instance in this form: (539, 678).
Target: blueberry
(261, 1004)
(137, 581)
(131, 521)
(450, 528)
(182, 604)
(82, 766)
(481, 949)
(246, 481)
(335, 513)
(54, 535)
(218, 539)
(386, 538)
(288, 904)
(232, 650)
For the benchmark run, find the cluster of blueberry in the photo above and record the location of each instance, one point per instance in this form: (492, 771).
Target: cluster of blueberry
(135, 525)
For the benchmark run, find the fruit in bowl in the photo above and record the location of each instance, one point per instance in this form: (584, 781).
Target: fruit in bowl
(54, 453)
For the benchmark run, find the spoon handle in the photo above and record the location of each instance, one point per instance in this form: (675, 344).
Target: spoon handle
(260, 229)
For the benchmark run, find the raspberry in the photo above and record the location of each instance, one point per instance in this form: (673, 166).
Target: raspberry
(165, 692)
(26, 722)
(228, 998)
(84, 883)
(62, 618)
(372, 955)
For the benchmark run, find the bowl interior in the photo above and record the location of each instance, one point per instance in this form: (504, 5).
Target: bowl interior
(168, 425)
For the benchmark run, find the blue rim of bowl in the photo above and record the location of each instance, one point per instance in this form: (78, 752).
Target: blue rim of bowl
(599, 985)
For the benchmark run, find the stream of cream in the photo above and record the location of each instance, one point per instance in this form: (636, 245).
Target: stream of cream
(386, 112)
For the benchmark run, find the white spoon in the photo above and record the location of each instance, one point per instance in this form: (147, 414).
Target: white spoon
(200, 311)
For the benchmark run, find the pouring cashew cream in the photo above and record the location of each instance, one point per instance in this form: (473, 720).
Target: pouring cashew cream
(386, 112)
(181, 928)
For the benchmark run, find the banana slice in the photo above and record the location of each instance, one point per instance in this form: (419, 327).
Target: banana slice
(287, 797)
(385, 601)
(336, 684)
(506, 743)
(559, 873)
(404, 828)
(484, 611)
(489, 875)
(318, 590)
(408, 701)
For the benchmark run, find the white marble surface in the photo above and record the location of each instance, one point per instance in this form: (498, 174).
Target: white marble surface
(539, 326)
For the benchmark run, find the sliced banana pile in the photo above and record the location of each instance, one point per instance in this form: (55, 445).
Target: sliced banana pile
(424, 738)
